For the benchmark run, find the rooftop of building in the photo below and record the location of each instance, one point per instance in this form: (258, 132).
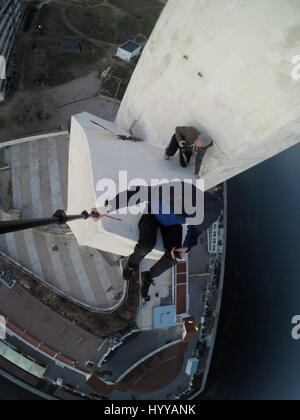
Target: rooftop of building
(130, 46)
(39, 177)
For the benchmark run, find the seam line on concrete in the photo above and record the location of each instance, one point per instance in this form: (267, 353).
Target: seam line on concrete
(32, 252)
(79, 268)
(34, 174)
(16, 176)
(57, 265)
(32, 138)
(55, 182)
(10, 240)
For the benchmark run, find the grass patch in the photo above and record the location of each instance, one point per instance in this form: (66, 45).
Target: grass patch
(57, 74)
(145, 13)
(139, 7)
(117, 24)
(56, 69)
(100, 23)
(50, 19)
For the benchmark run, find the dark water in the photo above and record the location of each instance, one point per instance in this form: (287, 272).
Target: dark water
(255, 356)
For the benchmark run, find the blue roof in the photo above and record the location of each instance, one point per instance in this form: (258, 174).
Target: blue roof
(164, 316)
(130, 46)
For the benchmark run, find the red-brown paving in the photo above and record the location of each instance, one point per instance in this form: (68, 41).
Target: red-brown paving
(181, 299)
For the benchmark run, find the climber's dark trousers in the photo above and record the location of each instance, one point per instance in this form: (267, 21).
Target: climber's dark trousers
(172, 237)
(172, 149)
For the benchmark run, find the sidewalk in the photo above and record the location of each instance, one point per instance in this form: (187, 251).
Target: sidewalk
(50, 332)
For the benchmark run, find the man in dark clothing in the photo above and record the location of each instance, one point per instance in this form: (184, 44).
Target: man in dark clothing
(189, 140)
(172, 239)
(168, 216)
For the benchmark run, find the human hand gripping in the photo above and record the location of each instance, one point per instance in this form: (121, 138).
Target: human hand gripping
(100, 212)
(180, 251)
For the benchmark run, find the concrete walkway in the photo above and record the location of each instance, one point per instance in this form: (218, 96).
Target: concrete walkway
(49, 328)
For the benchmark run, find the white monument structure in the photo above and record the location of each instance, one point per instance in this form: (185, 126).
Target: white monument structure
(97, 160)
(227, 69)
(224, 69)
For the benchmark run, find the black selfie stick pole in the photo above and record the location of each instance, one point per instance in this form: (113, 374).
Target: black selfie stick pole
(58, 218)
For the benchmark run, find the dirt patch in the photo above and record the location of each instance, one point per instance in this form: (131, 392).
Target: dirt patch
(49, 69)
(46, 68)
(51, 22)
(100, 27)
(40, 110)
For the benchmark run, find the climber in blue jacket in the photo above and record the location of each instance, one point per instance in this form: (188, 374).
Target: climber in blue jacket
(168, 215)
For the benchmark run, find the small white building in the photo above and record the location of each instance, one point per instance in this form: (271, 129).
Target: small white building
(129, 51)
(192, 366)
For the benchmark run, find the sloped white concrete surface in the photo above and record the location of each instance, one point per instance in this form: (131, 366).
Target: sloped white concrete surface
(95, 154)
(225, 69)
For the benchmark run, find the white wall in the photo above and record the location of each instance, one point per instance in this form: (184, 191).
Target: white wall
(246, 100)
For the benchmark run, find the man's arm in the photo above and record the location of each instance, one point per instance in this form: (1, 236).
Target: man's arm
(212, 211)
(192, 236)
(199, 158)
(122, 200)
(179, 134)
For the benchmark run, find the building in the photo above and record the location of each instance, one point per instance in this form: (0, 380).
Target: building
(192, 366)
(11, 13)
(129, 51)
(212, 238)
